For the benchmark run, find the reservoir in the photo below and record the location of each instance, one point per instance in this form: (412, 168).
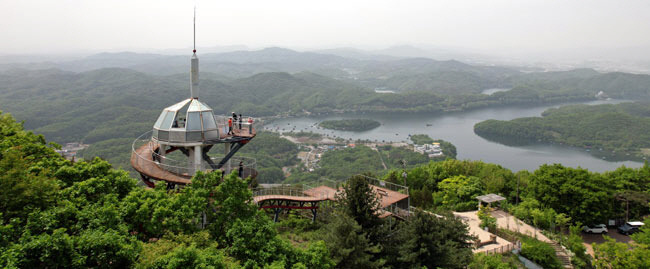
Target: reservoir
(458, 128)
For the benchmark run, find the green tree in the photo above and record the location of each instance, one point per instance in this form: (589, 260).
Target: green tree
(434, 242)
(20, 190)
(584, 196)
(196, 250)
(361, 202)
(349, 245)
(56, 250)
(611, 254)
(459, 192)
(107, 249)
(231, 201)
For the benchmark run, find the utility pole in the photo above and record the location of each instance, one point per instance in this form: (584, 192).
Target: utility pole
(518, 176)
(404, 174)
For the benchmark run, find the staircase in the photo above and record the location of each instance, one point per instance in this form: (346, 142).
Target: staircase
(561, 254)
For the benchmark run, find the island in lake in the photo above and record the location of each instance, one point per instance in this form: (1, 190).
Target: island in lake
(354, 125)
(623, 129)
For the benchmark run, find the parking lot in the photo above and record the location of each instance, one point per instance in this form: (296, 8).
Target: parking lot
(590, 239)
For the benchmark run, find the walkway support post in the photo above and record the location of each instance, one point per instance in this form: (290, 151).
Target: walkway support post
(197, 158)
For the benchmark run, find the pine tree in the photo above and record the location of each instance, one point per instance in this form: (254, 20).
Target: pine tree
(349, 245)
(359, 201)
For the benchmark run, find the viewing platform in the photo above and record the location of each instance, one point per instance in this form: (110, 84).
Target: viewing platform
(154, 166)
(177, 146)
(393, 198)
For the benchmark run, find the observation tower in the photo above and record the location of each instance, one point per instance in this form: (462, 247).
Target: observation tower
(178, 145)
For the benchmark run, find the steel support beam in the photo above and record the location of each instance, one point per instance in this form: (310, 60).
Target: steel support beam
(233, 149)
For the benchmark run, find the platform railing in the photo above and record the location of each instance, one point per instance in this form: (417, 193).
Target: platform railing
(247, 163)
(183, 167)
(388, 185)
(293, 191)
(145, 139)
(398, 211)
(245, 128)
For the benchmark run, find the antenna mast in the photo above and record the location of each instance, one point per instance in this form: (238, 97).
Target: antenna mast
(194, 68)
(194, 24)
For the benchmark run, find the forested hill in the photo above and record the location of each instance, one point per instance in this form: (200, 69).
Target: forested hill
(111, 104)
(624, 128)
(68, 106)
(109, 107)
(372, 71)
(238, 64)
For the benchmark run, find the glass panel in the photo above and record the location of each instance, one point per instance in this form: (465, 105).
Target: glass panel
(193, 121)
(209, 135)
(167, 122)
(178, 105)
(208, 120)
(193, 136)
(160, 119)
(194, 106)
(163, 135)
(177, 135)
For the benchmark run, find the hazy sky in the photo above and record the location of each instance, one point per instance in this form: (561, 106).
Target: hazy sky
(46, 26)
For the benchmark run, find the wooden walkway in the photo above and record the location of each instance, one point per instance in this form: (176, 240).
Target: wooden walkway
(258, 199)
(386, 197)
(326, 192)
(142, 161)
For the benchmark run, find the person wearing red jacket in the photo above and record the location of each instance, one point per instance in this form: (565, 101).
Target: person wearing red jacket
(230, 126)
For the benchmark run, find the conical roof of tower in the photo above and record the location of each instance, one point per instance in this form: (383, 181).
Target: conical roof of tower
(188, 121)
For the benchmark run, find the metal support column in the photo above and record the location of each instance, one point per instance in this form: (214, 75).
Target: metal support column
(161, 151)
(226, 152)
(313, 211)
(197, 158)
(190, 161)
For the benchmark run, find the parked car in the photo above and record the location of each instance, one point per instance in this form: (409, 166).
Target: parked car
(595, 229)
(630, 227)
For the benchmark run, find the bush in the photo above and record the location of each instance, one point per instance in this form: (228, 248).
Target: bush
(298, 224)
(575, 244)
(540, 253)
(496, 261)
(487, 220)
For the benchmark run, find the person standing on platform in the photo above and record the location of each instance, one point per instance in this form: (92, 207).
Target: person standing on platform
(230, 126)
(250, 125)
(234, 116)
(240, 120)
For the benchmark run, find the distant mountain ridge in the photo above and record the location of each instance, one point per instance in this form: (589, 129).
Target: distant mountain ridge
(371, 71)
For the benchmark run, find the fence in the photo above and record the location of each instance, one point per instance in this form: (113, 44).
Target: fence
(238, 127)
(398, 211)
(328, 183)
(184, 167)
(293, 191)
(500, 249)
(387, 185)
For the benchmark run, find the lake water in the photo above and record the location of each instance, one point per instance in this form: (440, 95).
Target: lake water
(458, 128)
(494, 90)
